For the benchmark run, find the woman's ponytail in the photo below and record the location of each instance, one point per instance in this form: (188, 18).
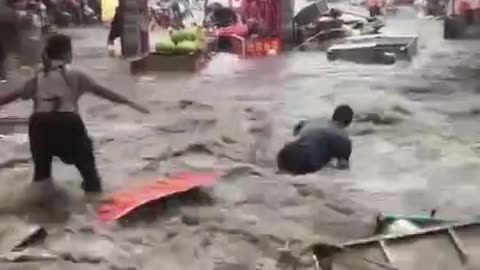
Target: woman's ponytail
(47, 64)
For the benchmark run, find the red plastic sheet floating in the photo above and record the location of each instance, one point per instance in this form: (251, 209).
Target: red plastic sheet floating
(121, 203)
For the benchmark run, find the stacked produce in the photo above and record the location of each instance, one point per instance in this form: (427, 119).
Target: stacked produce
(185, 41)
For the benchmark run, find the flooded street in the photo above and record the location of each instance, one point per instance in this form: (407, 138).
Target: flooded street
(415, 149)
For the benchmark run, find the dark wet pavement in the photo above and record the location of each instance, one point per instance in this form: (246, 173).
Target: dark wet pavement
(419, 152)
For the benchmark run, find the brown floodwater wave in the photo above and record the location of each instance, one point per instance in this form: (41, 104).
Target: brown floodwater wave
(415, 148)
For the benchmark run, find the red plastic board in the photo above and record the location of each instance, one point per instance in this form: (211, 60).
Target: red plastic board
(120, 203)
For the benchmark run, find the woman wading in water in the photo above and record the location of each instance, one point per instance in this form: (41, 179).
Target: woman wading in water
(55, 126)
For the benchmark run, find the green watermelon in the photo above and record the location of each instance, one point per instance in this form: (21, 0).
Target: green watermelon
(187, 47)
(165, 44)
(179, 36)
(192, 33)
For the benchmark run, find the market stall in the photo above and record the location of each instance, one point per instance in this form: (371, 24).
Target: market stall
(184, 47)
(256, 30)
(178, 50)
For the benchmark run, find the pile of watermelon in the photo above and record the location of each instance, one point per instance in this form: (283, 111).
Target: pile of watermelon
(185, 41)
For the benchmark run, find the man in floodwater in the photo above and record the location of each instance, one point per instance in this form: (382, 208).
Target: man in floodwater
(318, 142)
(55, 127)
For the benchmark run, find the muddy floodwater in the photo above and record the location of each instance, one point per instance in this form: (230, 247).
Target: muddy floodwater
(415, 148)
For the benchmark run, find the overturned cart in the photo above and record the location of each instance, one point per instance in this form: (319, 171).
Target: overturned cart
(452, 247)
(318, 25)
(384, 49)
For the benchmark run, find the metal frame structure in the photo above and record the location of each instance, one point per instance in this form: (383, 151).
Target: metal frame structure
(452, 247)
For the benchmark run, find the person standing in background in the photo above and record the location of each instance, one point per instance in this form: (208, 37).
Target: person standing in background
(176, 11)
(375, 7)
(116, 30)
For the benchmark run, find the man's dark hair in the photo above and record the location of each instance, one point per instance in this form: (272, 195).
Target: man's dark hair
(58, 45)
(343, 114)
(293, 159)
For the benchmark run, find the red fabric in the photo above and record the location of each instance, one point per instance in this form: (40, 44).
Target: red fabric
(375, 3)
(254, 11)
(268, 8)
(275, 16)
(462, 6)
(264, 12)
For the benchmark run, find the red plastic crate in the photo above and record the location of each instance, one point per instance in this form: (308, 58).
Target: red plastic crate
(258, 47)
(262, 46)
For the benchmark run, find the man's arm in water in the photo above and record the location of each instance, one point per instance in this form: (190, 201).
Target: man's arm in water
(101, 91)
(24, 91)
(343, 164)
(344, 151)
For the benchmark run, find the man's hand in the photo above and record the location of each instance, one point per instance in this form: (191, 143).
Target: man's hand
(343, 164)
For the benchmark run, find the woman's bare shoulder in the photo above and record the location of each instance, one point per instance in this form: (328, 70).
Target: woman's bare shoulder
(76, 70)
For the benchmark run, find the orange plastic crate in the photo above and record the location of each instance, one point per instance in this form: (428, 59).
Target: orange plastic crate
(262, 46)
(255, 47)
